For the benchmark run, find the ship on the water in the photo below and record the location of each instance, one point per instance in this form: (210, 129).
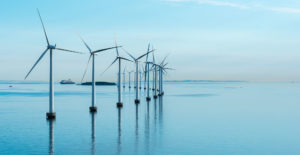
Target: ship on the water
(100, 83)
(67, 82)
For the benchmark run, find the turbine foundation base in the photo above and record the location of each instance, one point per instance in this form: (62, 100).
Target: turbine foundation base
(51, 115)
(93, 109)
(136, 101)
(119, 104)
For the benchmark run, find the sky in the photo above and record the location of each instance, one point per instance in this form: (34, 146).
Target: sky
(250, 40)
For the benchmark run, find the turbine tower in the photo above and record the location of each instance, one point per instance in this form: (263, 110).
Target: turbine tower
(124, 78)
(93, 108)
(119, 58)
(153, 73)
(147, 74)
(136, 61)
(140, 72)
(51, 114)
(154, 77)
(145, 71)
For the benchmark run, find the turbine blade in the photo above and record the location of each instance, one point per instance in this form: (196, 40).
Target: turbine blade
(109, 66)
(153, 59)
(86, 45)
(125, 59)
(116, 45)
(86, 68)
(129, 54)
(37, 62)
(164, 60)
(165, 64)
(101, 50)
(61, 49)
(148, 51)
(43, 27)
(143, 69)
(144, 55)
(168, 68)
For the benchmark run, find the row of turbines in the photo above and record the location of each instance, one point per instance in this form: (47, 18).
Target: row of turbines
(158, 69)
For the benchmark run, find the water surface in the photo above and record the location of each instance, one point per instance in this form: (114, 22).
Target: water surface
(208, 117)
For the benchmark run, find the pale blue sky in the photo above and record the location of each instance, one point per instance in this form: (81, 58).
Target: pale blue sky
(255, 40)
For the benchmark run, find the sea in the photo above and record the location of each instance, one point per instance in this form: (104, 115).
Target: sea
(192, 117)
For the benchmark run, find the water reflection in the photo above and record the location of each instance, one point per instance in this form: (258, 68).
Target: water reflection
(93, 148)
(160, 103)
(51, 137)
(160, 118)
(119, 149)
(154, 122)
(136, 127)
(147, 128)
(155, 112)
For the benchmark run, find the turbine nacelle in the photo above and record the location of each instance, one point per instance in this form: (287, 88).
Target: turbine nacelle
(52, 46)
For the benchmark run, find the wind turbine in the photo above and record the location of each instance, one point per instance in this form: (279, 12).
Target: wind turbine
(136, 61)
(93, 108)
(51, 114)
(119, 58)
(145, 71)
(154, 78)
(162, 69)
(154, 74)
(148, 98)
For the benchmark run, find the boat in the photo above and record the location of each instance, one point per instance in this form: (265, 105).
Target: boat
(67, 82)
(99, 83)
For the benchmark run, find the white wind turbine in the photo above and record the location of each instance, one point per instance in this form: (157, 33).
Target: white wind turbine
(162, 69)
(153, 74)
(145, 71)
(93, 108)
(154, 88)
(119, 58)
(51, 114)
(136, 61)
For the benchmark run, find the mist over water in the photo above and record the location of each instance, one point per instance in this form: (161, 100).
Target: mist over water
(193, 117)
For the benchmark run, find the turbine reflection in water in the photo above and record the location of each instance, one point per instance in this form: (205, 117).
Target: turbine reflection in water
(160, 102)
(154, 123)
(51, 137)
(119, 149)
(136, 127)
(93, 148)
(147, 128)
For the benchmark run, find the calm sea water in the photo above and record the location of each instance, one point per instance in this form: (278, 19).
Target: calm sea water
(191, 118)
